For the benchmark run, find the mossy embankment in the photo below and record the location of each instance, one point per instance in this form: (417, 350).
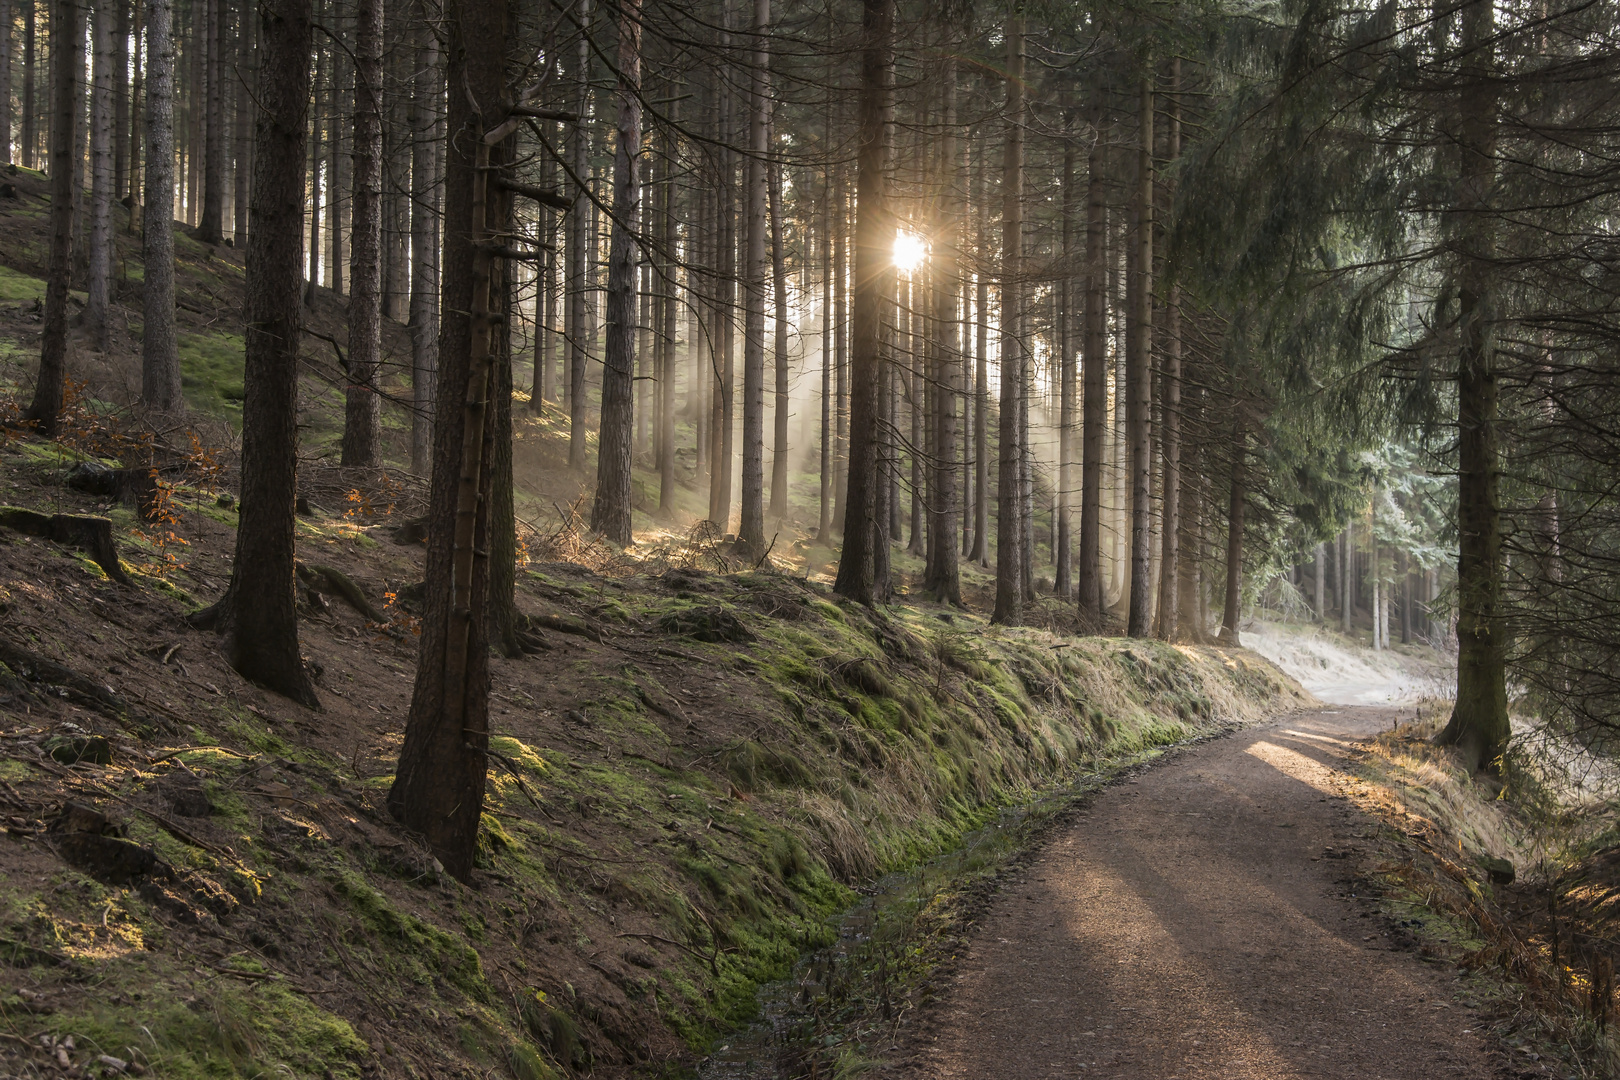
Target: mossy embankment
(691, 781)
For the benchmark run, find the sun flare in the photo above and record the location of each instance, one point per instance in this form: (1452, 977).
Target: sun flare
(909, 251)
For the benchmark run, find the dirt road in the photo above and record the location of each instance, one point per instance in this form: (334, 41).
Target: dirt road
(1197, 922)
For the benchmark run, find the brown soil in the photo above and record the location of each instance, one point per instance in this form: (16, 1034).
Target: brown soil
(1205, 920)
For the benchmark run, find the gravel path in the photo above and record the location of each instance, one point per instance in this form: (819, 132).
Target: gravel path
(1197, 922)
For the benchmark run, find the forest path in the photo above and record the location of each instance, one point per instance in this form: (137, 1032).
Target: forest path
(1193, 923)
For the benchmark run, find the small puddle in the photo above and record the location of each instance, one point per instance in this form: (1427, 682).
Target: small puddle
(841, 993)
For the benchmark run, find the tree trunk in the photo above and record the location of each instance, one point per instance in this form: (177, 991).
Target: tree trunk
(1009, 606)
(782, 407)
(362, 403)
(439, 785)
(579, 238)
(28, 136)
(944, 577)
(756, 268)
(668, 307)
(1232, 611)
(1479, 725)
(426, 90)
(1405, 597)
(1094, 396)
(314, 252)
(1170, 409)
(610, 513)
(980, 553)
(1319, 563)
(160, 355)
(211, 226)
(137, 128)
(67, 51)
(1063, 583)
(244, 91)
(257, 615)
(840, 272)
(829, 403)
(6, 20)
(102, 185)
(866, 518)
(338, 150)
(1139, 377)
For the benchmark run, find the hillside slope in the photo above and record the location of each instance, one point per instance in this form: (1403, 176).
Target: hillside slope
(692, 776)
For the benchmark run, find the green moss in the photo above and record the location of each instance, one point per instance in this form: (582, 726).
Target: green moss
(260, 1029)
(211, 371)
(18, 288)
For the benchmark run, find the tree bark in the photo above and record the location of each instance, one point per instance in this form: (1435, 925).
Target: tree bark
(211, 226)
(668, 309)
(160, 354)
(1170, 408)
(756, 268)
(6, 21)
(866, 513)
(67, 51)
(439, 785)
(944, 572)
(610, 513)
(244, 90)
(1094, 397)
(257, 615)
(1063, 583)
(1319, 563)
(829, 402)
(1479, 725)
(314, 253)
(980, 553)
(579, 238)
(27, 138)
(99, 281)
(1237, 500)
(426, 92)
(782, 407)
(1139, 377)
(362, 403)
(1009, 606)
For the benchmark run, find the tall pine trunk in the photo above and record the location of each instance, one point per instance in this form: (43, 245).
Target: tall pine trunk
(211, 226)
(866, 529)
(756, 269)
(1139, 377)
(99, 282)
(1237, 500)
(67, 52)
(610, 513)
(944, 574)
(1170, 408)
(1063, 571)
(426, 92)
(160, 353)
(579, 238)
(1094, 392)
(258, 613)
(781, 408)
(362, 404)
(6, 19)
(1009, 607)
(1479, 725)
(439, 784)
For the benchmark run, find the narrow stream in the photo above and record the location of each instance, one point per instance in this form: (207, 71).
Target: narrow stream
(811, 1010)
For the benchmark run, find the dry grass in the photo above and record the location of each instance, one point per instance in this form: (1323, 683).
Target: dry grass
(1554, 934)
